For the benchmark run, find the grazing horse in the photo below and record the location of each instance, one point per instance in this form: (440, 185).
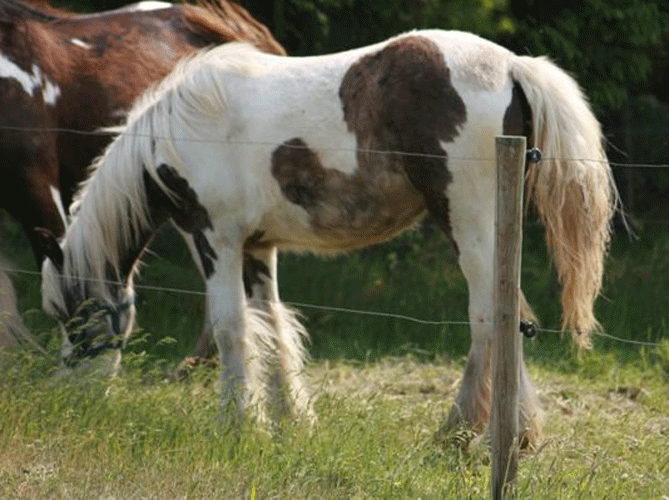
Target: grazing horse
(63, 76)
(249, 153)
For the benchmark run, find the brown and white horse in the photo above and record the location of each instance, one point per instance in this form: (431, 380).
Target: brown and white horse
(249, 153)
(64, 76)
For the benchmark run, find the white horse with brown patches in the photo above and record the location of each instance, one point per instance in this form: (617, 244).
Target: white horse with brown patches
(249, 153)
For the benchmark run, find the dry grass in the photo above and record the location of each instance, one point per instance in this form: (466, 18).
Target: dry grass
(607, 431)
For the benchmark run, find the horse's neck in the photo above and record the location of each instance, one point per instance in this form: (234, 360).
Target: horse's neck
(130, 256)
(97, 263)
(159, 211)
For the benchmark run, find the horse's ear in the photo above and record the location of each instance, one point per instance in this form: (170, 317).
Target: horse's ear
(49, 246)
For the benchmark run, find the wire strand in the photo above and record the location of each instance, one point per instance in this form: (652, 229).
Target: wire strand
(297, 146)
(305, 305)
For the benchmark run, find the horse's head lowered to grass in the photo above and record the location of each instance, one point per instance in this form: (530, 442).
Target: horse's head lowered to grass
(95, 316)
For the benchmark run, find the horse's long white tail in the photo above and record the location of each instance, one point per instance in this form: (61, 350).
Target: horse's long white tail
(572, 187)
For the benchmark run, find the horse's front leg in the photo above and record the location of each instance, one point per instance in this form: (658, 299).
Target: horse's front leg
(287, 379)
(240, 356)
(204, 347)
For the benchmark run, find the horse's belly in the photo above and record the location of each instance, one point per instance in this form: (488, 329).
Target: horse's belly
(343, 220)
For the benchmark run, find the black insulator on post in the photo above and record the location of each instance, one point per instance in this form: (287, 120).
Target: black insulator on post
(528, 329)
(533, 155)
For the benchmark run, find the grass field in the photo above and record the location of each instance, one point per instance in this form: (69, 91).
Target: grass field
(382, 387)
(607, 429)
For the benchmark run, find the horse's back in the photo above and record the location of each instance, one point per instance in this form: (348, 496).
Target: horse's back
(278, 99)
(337, 143)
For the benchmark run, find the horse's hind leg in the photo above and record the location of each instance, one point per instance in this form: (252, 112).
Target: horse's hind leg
(473, 402)
(472, 405)
(530, 414)
(471, 225)
(287, 379)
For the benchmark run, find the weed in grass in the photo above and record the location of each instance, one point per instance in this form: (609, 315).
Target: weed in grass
(661, 355)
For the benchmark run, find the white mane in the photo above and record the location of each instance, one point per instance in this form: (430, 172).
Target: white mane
(110, 211)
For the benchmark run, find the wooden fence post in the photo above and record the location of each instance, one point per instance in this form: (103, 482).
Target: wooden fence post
(506, 337)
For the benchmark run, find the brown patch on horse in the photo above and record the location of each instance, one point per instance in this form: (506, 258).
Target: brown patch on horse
(518, 116)
(400, 103)
(401, 99)
(184, 208)
(370, 205)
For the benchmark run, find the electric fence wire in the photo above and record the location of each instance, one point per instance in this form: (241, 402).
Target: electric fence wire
(114, 133)
(304, 305)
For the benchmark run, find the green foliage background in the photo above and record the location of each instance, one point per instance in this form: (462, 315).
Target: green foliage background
(612, 46)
